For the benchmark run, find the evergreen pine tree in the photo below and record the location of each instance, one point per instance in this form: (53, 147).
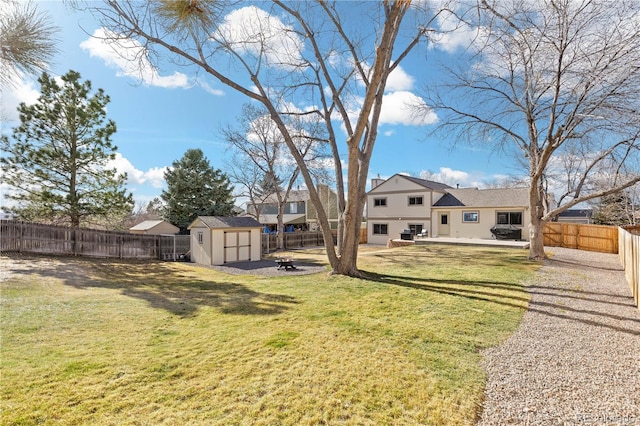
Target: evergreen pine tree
(195, 188)
(57, 158)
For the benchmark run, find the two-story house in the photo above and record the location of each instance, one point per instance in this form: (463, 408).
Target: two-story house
(398, 203)
(408, 203)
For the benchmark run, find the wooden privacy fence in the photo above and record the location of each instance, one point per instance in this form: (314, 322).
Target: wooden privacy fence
(629, 252)
(292, 240)
(600, 238)
(301, 239)
(25, 237)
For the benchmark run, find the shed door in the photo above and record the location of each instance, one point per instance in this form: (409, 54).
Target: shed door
(237, 246)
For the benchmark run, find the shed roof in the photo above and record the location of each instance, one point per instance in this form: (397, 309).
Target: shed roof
(474, 197)
(213, 222)
(149, 224)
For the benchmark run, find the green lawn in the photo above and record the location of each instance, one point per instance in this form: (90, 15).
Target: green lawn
(113, 343)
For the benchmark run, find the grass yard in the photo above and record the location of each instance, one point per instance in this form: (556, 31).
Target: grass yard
(106, 342)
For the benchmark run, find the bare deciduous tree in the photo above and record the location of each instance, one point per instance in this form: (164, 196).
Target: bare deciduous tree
(260, 147)
(554, 81)
(289, 54)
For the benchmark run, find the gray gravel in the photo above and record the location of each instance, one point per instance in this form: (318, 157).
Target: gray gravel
(575, 359)
(269, 268)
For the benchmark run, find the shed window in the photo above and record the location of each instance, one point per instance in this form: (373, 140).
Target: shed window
(380, 229)
(415, 201)
(200, 237)
(509, 218)
(379, 202)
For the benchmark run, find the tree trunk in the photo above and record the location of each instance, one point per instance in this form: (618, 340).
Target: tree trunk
(536, 236)
(280, 231)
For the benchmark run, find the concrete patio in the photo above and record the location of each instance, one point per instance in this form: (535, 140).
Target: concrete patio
(473, 241)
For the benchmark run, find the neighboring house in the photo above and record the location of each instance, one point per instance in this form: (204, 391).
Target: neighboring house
(401, 202)
(299, 211)
(576, 216)
(154, 227)
(216, 240)
(408, 203)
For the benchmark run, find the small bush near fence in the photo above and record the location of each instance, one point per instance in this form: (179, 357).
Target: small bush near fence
(25, 237)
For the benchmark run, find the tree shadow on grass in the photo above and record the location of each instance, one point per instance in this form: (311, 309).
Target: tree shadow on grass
(469, 290)
(157, 283)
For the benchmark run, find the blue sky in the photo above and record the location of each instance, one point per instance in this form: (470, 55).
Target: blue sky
(176, 109)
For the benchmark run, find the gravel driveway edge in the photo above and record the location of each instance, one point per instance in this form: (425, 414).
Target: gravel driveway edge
(575, 359)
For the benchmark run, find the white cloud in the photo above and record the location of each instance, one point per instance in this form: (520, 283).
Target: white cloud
(20, 91)
(453, 34)
(207, 87)
(253, 31)
(406, 108)
(153, 176)
(127, 56)
(453, 177)
(399, 80)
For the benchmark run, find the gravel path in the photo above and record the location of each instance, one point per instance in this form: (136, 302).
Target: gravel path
(575, 359)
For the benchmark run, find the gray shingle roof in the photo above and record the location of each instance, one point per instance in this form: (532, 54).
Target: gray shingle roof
(437, 186)
(474, 197)
(295, 195)
(228, 222)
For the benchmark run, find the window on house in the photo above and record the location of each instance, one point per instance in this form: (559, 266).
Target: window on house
(509, 218)
(470, 217)
(200, 237)
(415, 201)
(380, 229)
(444, 219)
(293, 208)
(379, 202)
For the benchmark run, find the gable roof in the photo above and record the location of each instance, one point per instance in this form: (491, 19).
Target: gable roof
(295, 195)
(428, 184)
(474, 197)
(437, 186)
(149, 224)
(214, 222)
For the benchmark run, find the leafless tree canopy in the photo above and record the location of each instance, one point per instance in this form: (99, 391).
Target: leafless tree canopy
(556, 82)
(297, 59)
(261, 155)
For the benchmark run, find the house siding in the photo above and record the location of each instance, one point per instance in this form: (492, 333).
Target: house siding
(486, 220)
(398, 214)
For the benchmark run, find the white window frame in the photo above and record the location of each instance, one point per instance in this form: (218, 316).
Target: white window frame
(470, 216)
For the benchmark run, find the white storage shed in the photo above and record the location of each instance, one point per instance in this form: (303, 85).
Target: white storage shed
(217, 240)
